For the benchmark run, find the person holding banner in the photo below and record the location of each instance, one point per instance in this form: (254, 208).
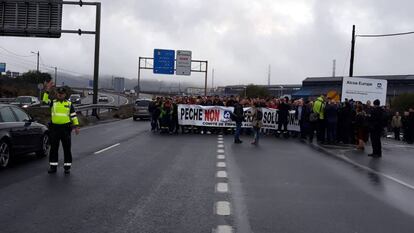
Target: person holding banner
(257, 117)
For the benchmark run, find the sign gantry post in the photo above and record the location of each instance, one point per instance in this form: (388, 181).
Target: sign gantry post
(43, 18)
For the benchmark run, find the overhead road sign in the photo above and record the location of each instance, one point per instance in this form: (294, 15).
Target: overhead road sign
(2, 67)
(164, 61)
(35, 18)
(183, 66)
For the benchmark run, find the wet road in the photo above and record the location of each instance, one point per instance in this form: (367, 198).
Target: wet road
(127, 179)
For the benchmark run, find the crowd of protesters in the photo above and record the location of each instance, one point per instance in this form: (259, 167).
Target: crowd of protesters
(349, 122)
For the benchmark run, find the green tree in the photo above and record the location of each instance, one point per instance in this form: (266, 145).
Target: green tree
(254, 91)
(403, 102)
(35, 77)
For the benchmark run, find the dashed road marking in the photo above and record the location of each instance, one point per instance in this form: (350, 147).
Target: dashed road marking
(221, 174)
(220, 151)
(108, 148)
(223, 208)
(221, 164)
(222, 188)
(221, 157)
(223, 229)
(220, 146)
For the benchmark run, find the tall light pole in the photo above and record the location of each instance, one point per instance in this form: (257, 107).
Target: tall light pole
(55, 75)
(38, 55)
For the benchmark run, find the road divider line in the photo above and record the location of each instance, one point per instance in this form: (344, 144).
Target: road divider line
(221, 174)
(223, 229)
(220, 151)
(108, 148)
(222, 188)
(221, 157)
(220, 146)
(223, 208)
(221, 164)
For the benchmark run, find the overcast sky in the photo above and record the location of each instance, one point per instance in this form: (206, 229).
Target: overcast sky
(239, 38)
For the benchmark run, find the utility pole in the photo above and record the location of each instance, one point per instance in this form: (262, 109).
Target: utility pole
(334, 68)
(38, 55)
(212, 79)
(55, 75)
(268, 76)
(351, 65)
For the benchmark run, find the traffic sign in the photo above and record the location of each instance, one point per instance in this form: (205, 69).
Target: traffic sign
(2, 67)
(183, 62)
(164, 61)
(34, 18)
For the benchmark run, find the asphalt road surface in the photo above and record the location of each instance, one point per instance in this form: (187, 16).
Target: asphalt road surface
(113, 99)
(127, 179)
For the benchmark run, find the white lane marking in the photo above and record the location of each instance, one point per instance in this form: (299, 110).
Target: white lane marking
(220, 136)
(223, 208)
(220, 151)
(221, 164)
(220, 146)
(377, 173)
(221, 157)
(220, 141)
(222, 188)
(221, 174)
(108, 148)
(223, 229)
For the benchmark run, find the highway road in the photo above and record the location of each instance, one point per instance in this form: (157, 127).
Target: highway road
(113, 99)
(127, 179)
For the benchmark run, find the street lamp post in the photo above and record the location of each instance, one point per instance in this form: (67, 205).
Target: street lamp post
(38, 55)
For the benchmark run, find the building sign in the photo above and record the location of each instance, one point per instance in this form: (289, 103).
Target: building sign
(364, 89)
(183, 63)
(164, 61)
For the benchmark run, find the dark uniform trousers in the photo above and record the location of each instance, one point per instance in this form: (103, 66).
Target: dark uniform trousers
(376, 142)
(60, 133)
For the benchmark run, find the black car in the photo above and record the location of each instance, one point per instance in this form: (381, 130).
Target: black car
(19, 134)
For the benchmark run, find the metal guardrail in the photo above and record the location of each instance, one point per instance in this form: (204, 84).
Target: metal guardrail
(89, 107)
(7, 100)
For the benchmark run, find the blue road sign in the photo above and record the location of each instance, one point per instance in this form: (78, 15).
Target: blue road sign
(2, 67)
(164, 61)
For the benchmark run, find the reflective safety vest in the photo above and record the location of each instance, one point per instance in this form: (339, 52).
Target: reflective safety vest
(62, 111)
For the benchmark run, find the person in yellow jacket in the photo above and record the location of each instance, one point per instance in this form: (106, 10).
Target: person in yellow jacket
(319, 108)
(63, 120)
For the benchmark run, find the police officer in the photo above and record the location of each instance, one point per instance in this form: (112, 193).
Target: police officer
(63, 119)
(376, 120)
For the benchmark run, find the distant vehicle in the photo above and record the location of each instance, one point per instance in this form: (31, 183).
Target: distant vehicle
(26, 101)
(75, 98)
(141, 109)
(90, 92)
(103, 98)
(19, 135)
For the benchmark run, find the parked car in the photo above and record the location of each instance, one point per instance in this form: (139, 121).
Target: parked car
(90, 92)
(75, 98)
(103, 98)
(20, 134)
(26, 101)
(141, 109)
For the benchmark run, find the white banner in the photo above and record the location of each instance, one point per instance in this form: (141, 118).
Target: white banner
(217, 116)
(364, 89)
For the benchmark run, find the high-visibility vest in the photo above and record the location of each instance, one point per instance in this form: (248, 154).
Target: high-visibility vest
(62, 111)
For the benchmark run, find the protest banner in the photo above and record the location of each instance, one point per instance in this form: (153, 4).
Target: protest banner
(217, 116)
